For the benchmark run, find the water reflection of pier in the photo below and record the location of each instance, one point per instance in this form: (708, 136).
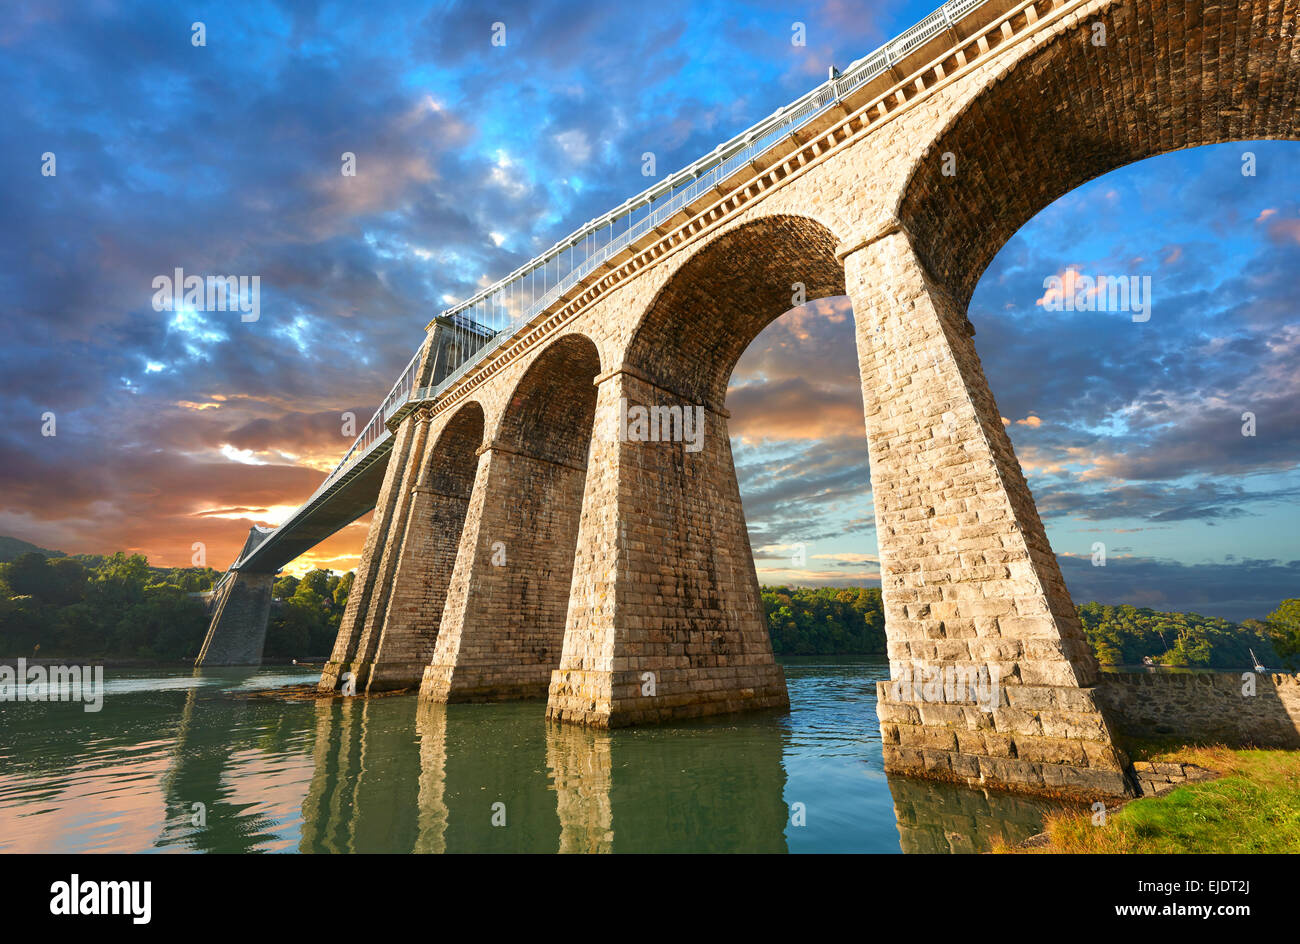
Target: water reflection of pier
(397, 775)
(208, 807)
(394, 774)
(366, 779)
(947, 818)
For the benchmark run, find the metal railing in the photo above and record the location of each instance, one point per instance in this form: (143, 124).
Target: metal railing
(507, 305)
(376, 428)
(514, 301)
(372, 435)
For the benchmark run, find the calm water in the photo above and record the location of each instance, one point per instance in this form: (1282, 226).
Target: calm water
(394, 775)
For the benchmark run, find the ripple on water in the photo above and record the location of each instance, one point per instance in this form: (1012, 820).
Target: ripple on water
(281, 775)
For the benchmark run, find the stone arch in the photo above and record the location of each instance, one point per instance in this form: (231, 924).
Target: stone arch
(439, 502)
(554, 399)
(710, 309)
(503, 622)
(450, 460)
(665, 617)
(1170, 77)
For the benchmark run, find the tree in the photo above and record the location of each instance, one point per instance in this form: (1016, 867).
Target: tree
(30, 575)
(285, 587)
(87, 606)
(121, 580)
(825, 620)
(318, 581)
(343, 588)
(1284, 630)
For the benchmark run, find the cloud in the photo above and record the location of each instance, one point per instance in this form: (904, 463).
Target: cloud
(1234, 591)
(472, 157)
(1284, 231)
(794, 409)
(1203, 501)
(800, 577)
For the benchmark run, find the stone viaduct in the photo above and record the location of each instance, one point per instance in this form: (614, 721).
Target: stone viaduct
(521, 547)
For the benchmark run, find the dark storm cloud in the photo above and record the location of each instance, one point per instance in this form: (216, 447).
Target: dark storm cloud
(1235, 591)
(1204, 501)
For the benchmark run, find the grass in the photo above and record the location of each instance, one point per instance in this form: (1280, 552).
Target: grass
(1253, 807)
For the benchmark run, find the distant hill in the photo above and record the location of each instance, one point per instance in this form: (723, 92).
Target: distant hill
(13, 547)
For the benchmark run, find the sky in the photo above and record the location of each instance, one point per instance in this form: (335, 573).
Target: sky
(176, 429)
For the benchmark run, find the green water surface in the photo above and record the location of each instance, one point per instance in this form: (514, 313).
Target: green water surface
(186, 761)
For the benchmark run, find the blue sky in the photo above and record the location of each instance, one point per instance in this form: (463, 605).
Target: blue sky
(181, 428)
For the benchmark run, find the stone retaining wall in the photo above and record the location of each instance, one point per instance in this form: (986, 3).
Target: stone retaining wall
(1204, 707)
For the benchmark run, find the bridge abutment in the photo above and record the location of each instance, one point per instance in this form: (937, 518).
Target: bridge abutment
(992, 679)
(239, 617)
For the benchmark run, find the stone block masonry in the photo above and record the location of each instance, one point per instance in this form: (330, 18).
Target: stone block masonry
(503, 622)
(665, 619)
(237, 631)
(1233, 708)
(503, 626)
(439, 503)
(627, 591)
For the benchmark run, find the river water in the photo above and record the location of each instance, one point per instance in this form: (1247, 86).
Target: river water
(188, 761)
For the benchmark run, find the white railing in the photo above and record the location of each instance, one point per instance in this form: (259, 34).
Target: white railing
(507, 305)
(374, 433)
(375, 429)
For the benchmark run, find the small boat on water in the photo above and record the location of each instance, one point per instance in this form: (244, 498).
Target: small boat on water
(1255, 659)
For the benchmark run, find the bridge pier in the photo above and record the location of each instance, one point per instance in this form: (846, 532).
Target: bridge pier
(372, 631)
(665, 618)
(239, 616)
(969, 580)
(426, 556)
(502, 628)
(349, 653)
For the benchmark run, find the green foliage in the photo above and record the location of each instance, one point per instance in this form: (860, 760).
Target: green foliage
(61, 581)
(825, 620)
(1283, 628)
(120, 607)
(831, 620)
(1253, 807)
(343, 588)
(1125, 635)
(318, 581)
(306, 619)
(97, 607)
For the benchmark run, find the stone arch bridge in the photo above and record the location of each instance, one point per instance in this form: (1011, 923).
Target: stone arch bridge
(523, 544)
